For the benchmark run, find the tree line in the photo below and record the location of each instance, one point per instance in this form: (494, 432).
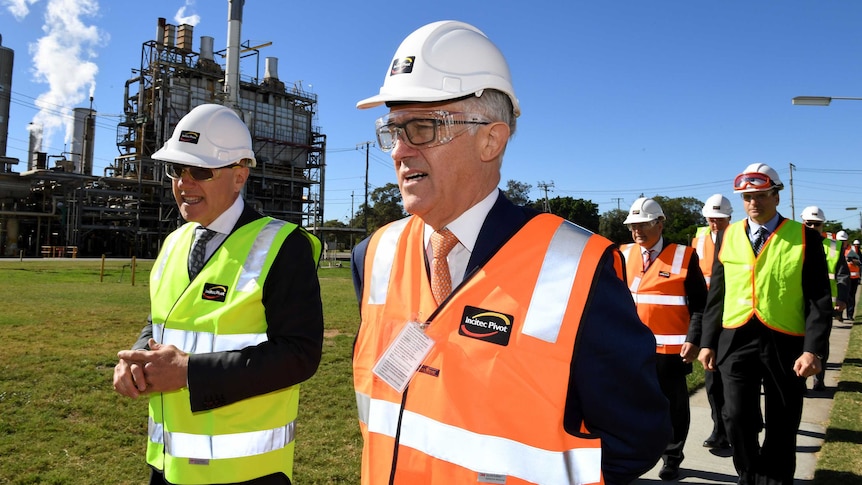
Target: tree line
(683, 215)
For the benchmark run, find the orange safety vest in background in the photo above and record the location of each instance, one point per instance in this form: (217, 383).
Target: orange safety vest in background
(853, 267)
(506, 332)
(705, 248)
(659, 293)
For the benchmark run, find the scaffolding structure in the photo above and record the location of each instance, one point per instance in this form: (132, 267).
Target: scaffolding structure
(129, 209)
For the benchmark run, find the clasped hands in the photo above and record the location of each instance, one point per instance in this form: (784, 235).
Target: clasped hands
(163, 368)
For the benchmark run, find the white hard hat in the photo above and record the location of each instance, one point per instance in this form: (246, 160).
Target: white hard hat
(813, 213)
(644, 210)
(757, 177)
(442, 61)
(856, 242)
(717, 206)
(842, 236)
(210, 136)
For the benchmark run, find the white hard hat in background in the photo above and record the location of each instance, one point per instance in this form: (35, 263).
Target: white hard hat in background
(856, 242)
(644, 210)
(717, 206)
(757, 177)
(442, 61)
(813, 213)
(842, 236)
(210, 136)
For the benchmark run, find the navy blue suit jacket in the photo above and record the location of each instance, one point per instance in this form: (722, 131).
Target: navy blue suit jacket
(613, 388)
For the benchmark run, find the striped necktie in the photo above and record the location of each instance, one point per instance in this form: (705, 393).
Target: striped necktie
(759, 239)
(198, 253)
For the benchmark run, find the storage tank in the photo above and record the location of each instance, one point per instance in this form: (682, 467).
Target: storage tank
(7, 57)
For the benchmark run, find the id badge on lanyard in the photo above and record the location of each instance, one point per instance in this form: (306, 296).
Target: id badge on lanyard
(401, 360)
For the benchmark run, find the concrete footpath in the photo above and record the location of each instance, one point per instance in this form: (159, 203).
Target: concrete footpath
(707, 467)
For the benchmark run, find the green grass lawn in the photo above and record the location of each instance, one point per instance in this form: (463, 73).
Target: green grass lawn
(61, 422)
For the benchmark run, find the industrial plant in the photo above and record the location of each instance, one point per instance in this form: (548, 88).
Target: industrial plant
(56, 206)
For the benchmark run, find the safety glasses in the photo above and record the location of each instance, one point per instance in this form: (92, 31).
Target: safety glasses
(754, 180)
(423, 128)
(641, 226)
(175, 171)
(813, 224)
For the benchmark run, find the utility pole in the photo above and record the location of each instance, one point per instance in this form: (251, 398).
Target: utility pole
(617, 200)
(365, 211)
(546, 206)
(792, 206)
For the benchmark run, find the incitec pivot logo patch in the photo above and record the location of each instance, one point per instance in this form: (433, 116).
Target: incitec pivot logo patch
(214, 292)
(402, 66)
(189, 136)
(487, 325)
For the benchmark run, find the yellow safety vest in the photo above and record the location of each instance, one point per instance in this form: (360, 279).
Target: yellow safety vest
(220, 310)
(831, 248)
(770, 285)
(457, 422)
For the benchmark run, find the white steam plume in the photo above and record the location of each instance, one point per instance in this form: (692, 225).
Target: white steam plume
(18, 8)
(62, 60)
(181, 18)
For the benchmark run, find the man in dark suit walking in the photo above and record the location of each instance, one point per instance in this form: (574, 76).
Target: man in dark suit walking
(766, 324)
(487, 300)
(236, 319)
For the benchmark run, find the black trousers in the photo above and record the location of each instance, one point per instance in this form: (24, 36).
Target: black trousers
(851, 297)
(715, 395)
(760, 357)
(671, 377)
(157, 478)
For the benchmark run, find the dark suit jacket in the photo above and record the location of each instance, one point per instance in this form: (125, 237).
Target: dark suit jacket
(815, 291)
(294, 317)
(613, 387)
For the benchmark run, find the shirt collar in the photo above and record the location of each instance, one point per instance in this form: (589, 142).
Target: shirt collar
(467, 226)
(225, 222)
(770, 225)
(656, 249)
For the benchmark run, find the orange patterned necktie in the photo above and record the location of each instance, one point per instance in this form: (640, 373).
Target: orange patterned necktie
(442, 242)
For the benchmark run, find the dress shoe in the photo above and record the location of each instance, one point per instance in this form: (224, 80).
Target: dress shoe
(715, 442)
(669, 471)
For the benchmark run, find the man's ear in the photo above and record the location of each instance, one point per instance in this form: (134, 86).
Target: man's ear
(495, 140)
(240, 176)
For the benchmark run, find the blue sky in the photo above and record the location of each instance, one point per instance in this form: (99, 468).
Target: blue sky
(619, 98)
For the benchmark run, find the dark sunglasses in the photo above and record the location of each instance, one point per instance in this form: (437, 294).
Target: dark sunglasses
(201, 174)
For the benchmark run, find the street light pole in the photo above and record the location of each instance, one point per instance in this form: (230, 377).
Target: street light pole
(860, 216)
(818, 100)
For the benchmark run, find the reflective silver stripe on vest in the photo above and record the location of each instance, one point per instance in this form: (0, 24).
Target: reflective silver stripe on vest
(701, 243)
(383, 260)
(221, 447)
(678, 256)
(669, 339)
(484, 453)
(554, 285)
(166, 250)
(363, 404)
(707, 278)
(659, 299)
(626, 250)
(204, 342)
(253, 265)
